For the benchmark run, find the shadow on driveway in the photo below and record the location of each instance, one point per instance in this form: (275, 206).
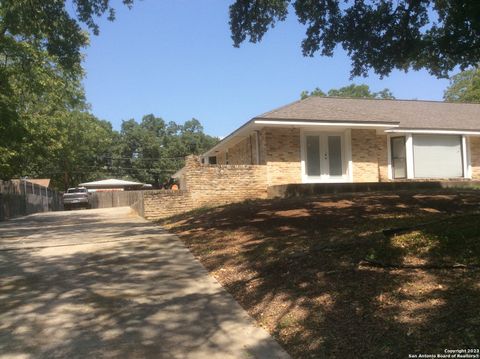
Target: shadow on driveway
(108, 284)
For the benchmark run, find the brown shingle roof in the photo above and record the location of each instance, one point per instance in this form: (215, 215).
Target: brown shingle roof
(409, 113)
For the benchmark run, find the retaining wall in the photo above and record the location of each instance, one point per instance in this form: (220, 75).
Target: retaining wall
(207, 185)
(312, 189)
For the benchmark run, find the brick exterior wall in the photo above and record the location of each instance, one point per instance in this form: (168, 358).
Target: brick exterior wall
(279, 149)
(243, 153)
(475, 157)
(382, 157)
(162, 204)
(212, 185)
(221, 158)
(208, 185)
(282, 155)
(364, 156)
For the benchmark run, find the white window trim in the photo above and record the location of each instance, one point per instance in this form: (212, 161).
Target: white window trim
(348, 154)
(389, 159)
(409, 153)
(466, 153)
(467, 162)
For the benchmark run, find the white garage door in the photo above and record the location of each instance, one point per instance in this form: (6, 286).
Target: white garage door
(437, 156)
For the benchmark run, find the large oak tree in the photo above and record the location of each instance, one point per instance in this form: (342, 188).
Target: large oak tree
(382, 35)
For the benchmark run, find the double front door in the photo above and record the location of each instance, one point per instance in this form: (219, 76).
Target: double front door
(324, 157)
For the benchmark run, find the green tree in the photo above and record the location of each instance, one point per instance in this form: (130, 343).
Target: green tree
(464, 87)
(67, 147)
(49, 26)
(40, 75)
(315, 92)
(382, 35)
(356, 91)
(152, 150)
(40, 39)
(37, 98)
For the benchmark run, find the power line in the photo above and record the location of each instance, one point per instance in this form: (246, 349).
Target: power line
(82, 172)
(106, 167)
(144, 158)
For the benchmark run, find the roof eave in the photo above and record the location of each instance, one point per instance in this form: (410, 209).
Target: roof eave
(324, 122)
(440, 131)
(259, 122)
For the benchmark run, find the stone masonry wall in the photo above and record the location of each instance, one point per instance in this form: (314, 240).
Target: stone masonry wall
(364, 156)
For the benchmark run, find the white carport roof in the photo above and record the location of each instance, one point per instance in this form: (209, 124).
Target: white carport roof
(110, 183)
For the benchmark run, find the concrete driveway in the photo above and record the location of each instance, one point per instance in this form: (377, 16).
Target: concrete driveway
(107, 284)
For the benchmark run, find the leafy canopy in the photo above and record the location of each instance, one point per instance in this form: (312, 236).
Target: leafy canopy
(40, 57)
(151, 151)
(40, 84)
(357, 91)
(382, 35)
(48, 25)
(464, 87)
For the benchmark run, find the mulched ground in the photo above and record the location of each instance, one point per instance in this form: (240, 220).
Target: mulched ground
(293, 264)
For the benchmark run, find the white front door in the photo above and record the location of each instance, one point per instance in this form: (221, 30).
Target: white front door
(324, 157)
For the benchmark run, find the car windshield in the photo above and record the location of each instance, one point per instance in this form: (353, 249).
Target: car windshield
(77, 190)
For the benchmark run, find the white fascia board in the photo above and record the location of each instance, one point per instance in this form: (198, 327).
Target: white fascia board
(325, 123)
(435, 132)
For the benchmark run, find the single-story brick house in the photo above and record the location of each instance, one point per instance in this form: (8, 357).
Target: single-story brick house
(330, 140)
(325, 139)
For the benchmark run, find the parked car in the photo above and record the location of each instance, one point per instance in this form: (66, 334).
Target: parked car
(76, 198)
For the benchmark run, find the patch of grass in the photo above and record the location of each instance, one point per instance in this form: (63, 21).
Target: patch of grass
(453, 240)
(287, 321)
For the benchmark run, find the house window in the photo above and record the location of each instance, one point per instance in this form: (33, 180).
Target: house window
(437, 156)
(212, 160)
(313, 155)
(335, 155)
(399, 158)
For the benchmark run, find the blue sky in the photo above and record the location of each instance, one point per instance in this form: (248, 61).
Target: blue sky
(175, 59)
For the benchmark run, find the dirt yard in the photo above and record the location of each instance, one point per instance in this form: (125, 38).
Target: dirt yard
(294, 266)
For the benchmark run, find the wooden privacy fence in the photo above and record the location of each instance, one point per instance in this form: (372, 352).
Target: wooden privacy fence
(20, 197)
(132, 199)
